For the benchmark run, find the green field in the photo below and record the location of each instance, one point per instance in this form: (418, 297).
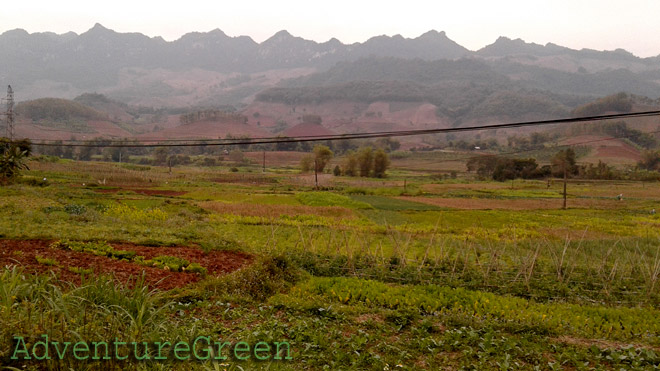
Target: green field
(364, 274)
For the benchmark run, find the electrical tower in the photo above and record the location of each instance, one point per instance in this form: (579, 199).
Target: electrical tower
(9, 115)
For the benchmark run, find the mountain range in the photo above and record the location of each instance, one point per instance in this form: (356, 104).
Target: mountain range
(212, 69)
(102, 83)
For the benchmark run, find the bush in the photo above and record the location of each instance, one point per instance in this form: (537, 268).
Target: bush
(263, 279)
(13, 155)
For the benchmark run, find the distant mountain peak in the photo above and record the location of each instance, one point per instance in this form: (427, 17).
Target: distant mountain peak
(16, 32)
(217, 32)
(505, 46)
(99, 28)
(433, 34)
(281, 35)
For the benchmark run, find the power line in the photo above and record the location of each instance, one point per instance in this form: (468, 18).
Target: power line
(334, 137)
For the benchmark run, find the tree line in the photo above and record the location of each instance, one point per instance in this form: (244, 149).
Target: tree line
(563, 163)
(364, 162)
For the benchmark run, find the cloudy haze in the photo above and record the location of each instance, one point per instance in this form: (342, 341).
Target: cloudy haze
(603, 25)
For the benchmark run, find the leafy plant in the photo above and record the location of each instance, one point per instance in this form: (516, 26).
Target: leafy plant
(13, 156)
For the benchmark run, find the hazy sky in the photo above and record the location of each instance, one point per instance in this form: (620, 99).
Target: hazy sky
(633, 25)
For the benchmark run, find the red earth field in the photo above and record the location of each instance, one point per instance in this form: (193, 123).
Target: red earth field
(23, 253)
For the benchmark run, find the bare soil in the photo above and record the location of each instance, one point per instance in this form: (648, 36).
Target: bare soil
(23, 253)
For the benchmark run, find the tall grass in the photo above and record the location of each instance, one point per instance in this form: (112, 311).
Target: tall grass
(622, 272)
(98, 310)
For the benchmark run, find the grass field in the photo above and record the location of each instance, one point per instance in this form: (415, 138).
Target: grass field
(412, 272)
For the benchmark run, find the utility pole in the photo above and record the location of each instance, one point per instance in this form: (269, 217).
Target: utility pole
(316, 173)
(264, 166)
(565, 176)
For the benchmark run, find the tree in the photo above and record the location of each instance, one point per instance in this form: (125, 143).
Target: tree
(160, 156)
(286, 144)
(365, 159)
(322, 155)
(350, 165)
(508, 168)
(85, 153)
(381, 163)
(564, 162)
(484, 165)
(306, 163)
(388, 144)
(650, 160)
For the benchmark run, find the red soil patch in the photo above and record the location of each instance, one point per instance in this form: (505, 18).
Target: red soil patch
(148, 192)
(107, 128)
(306, 129)
(23, 253)
(516, 204)
(616, 151)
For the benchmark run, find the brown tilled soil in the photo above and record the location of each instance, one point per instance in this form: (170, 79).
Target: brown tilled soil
(23, 253)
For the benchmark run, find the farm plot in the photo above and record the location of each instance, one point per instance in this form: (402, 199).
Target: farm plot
(367, 275)
(161, 267)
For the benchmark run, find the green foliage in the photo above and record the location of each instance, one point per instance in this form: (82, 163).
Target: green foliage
(55, 109)
(81, 271)
(620, 102)
(75, 209)
(329, 199)
(350, 164)
(388, 144)
(502, 168)
(365, 158)
(582, 320)
(650, 160)
(322, 155)
(34, 305)
(13, 156)
(95, 248)
(387, 203)
(381, 163)
(269, 276)
(366, 162)
(306, 163)
(518, 104)
(563, 163)
(172, 263)
(488, 276)
(46, 261)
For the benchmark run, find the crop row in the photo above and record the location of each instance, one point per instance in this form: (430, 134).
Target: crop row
(614, 323)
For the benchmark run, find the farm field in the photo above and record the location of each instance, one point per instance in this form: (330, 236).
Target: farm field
(410, 272)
